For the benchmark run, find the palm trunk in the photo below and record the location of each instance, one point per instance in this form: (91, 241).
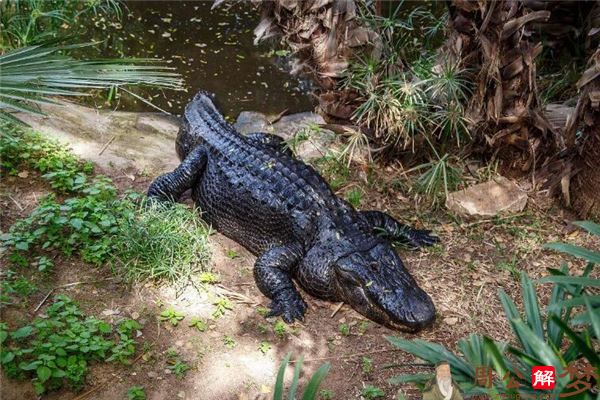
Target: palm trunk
(492, 38)
(583, 191)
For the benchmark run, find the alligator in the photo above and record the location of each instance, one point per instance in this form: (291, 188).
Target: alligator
(253, 190)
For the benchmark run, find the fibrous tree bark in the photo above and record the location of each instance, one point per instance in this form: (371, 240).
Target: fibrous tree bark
(492, 39)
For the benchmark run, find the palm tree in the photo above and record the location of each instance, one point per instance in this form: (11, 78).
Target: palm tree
(492, 38)
(583, 187)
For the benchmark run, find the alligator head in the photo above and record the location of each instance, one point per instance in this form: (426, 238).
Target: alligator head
(374, 281)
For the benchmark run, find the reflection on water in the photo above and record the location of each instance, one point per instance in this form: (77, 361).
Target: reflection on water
(213, 50)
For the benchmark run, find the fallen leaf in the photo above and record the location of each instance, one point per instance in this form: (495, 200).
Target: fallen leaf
(451, 320)
(265, 389)
(23, 174)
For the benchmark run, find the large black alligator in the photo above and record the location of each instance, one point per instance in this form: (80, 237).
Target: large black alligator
(251, 189)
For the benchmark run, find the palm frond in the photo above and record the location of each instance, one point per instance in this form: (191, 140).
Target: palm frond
(34, 74)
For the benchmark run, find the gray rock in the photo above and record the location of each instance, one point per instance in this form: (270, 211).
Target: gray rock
(317, 143)
(111, 139)
(488, 199)
(158, 123)
(251, 121)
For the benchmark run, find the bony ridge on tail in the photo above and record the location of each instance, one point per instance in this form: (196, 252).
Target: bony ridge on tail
(252, 190)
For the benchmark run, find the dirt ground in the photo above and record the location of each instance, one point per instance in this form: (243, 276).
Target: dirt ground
(463, 276)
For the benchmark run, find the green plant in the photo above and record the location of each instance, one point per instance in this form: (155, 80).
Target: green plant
(44, 264)
(262, 311)
(229, 342)
(26, 22)
(264, 347)
(176, 364)
(171, 316)
(78, 225)
(335, 172)
(354, 197)
(303, 135)
(136, 393)
(440, 177)
(367, 365)
(13, 286)
(310, 392)
(156, 241)
(363, 326)
(326, 394)
(280, 329)
(552, 336)
(57, 348)
(231, 253)
(198, 323)
(221, 306)
(344, 329)
(370, 392)
(208, 277)
(23, 148)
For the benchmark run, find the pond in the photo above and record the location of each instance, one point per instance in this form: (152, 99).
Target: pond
(212, 49)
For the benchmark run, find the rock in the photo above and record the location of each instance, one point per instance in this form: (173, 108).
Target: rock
(251, 121)
(111, 139)
(317, 144)
(158, 123)
(488, 199)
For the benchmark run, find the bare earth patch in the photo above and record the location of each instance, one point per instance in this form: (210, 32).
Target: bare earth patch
(238, 355)
(463, 276)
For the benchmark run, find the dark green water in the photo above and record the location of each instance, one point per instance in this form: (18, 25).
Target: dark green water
(213, 50)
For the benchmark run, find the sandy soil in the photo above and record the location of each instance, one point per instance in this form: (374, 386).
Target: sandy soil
(462, 275)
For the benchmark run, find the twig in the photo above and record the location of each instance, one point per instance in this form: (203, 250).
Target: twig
(16, 203)
(106, 145)
(337, 308)
(278, 116)
(66, 286)
(92, 390)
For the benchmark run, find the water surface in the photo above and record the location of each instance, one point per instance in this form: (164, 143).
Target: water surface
(212, 49)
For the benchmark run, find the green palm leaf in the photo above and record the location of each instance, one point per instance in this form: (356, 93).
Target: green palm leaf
(29, 76)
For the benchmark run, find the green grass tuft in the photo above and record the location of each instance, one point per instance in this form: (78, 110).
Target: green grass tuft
(155, 241)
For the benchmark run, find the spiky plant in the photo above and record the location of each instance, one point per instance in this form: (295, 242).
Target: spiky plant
(310, 392)
(550, 336)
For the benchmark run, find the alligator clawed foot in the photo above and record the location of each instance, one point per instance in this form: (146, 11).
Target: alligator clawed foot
(421, 238)
(290, 308)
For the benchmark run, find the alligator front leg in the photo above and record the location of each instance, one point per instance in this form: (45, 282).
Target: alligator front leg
(170, 186)
(272, 273)
(393, 230)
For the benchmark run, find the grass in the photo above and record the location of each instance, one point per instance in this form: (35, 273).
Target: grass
(161, 242)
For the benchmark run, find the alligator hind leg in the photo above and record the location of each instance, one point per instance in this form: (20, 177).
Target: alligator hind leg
(170, 186)
(270, 140)
(393, 230)
(272, 273)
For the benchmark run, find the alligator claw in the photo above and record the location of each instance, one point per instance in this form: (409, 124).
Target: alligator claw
(422, 237)
(290, 308)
